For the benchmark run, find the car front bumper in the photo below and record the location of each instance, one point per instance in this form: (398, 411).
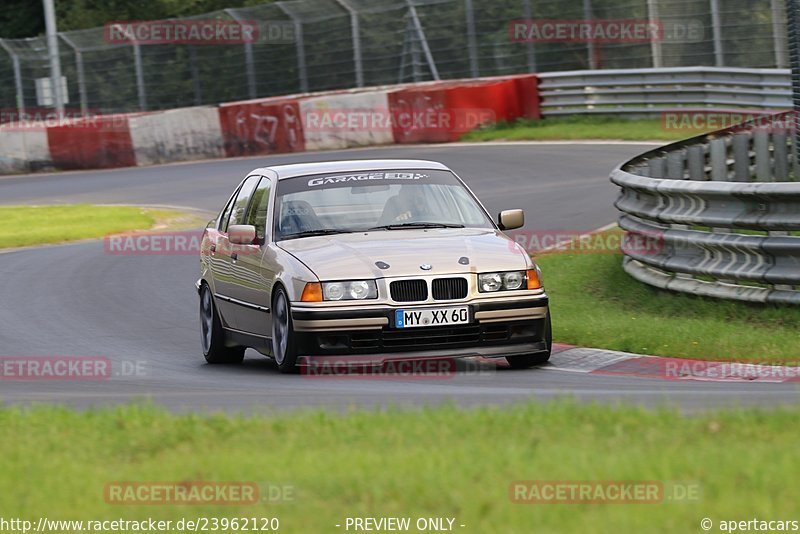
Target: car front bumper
(497, 328)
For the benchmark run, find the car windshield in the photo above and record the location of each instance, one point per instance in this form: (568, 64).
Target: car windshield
(379, 200)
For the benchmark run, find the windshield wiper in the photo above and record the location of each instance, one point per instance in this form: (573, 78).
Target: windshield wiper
(312, 233)
(400, 226)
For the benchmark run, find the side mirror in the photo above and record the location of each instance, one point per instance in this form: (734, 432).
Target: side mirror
(511, 219)
(242, 234)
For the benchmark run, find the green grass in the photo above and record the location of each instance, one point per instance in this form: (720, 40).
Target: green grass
(26, 226)
(596, 304)
(434, 462)
(578, 127)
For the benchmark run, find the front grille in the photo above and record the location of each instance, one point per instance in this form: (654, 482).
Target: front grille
(429, 338)
(449, 288)
(409, 290)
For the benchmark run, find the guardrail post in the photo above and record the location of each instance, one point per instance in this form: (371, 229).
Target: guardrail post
(716, 29)
(696, 163)
(17, 77)
(719, 160)
(741, 157)
(761, 147)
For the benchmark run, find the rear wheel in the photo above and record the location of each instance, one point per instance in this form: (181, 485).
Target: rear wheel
(213, 335)
(284, 348)
(529, 360)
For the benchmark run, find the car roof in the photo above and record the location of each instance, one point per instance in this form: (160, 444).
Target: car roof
(357, 165)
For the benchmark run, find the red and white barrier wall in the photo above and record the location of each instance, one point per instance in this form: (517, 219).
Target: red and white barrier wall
(433, 112)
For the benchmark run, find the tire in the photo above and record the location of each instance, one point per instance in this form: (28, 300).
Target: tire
(284, 346)
(529, 360)
(213, 335)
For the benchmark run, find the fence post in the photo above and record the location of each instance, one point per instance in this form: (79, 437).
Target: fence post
(53, 56)
(778, 33)
(588, 15)
(655, 44)
(17, 77)
(716, 29)
(529, 48)
(356, 35)
(137, 64)
(471, 41)
(422, 39)
(196, 87)
(248, 58)
(300, 45)
(81, 73)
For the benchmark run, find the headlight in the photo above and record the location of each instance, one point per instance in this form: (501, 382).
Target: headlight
(354, 290)
(491, 282)
(513, 280)
(509, 281)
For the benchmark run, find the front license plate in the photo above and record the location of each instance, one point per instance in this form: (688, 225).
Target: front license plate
(431, 317)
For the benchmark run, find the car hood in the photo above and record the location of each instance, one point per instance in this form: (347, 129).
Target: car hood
(354, 256)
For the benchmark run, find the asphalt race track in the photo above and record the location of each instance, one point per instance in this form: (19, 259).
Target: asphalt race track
(141, 311)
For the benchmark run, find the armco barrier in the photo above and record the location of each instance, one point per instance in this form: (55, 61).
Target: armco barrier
(327, 123)
(260, 127)
(92, 143)
(24, 150)
(176, 135)
(720, 234)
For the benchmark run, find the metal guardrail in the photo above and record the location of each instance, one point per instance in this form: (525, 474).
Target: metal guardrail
(719, 213)
(643, 91)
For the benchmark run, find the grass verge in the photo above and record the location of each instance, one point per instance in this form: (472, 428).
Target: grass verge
(39, 225)
(579, 127)
(440, 462)
(596, 304)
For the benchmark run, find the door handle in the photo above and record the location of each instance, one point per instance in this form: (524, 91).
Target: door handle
(234, 256)
(213, 249)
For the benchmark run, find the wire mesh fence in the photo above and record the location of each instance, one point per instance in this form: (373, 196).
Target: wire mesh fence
(316, 45)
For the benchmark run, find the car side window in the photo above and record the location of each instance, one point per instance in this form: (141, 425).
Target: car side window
(257, 215)
(222, 221)
(239, 206)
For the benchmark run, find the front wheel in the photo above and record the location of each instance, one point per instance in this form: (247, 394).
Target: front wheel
(213, 336)
(284, 347)
(539, 358)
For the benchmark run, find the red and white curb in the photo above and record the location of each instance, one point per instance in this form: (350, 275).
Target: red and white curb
(608, 362)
